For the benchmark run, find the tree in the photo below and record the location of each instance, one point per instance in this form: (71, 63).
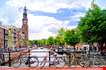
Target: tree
(61, 32)
(50, 41)
(88, 24)
(93, 26)
(60, 37)
(71, 37)
(43, 42)
(59, 40)
(30, 42)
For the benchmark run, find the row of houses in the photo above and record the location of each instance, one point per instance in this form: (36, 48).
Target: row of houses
(11, 36)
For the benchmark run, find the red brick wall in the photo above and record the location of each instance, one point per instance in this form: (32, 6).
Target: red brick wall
(1, 37)
(25, 31)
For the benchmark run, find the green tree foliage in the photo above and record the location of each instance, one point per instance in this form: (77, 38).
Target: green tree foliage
(93, 26)
(50, 41)
(59, 40)
(72, 37)
(60, 37)
(30, 42)
(89, 25)
(61, 32)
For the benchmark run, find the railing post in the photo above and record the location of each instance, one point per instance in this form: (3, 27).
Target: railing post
(9, 58)
(29, 58)
(69, 61)
(49, 58)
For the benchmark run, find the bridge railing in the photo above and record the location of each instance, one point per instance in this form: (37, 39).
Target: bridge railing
(48, 58)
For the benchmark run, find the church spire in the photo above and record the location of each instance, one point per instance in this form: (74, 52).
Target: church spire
(25, 14)
(25, 26)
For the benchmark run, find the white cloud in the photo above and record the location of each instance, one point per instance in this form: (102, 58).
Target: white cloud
(48, 5)
(83, 3)
(78, 15)
(44, 5)
(39, 25)
(39, 22)
(40, 35)
(71, 27)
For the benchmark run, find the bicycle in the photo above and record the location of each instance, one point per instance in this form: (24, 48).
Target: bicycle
(56, 61)
(32, 61)
(84, 60)
(79, 59)
(1, 59)
(97, 59)
(23, 60)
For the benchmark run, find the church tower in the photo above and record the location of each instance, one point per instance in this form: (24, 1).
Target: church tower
(25, 27)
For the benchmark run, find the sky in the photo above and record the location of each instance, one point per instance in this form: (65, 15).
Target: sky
(45, 17)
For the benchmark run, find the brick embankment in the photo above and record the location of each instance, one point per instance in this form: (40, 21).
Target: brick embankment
(65, 68)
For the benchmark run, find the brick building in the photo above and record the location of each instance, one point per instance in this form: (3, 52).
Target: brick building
(1, 37)
(11, 36)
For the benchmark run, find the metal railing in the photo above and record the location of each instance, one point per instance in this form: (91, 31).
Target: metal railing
(29, 58)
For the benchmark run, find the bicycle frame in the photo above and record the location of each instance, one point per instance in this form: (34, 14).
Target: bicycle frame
(54, 62)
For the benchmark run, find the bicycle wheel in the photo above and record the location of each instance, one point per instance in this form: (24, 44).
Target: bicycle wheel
(59, 62)
(43, 64)
(99, 62)
(1, 62)
(72, 59)
(16, 62)
(32, 61)
(84, 61)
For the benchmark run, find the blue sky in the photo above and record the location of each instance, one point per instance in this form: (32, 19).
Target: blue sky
(45, 17)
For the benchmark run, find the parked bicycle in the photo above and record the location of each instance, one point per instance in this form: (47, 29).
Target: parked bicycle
(78, 58)
(86, 60)
(52, 60)
(23, 60)
(97, 59)
(1, 58)
(56, 60)
(34, 61)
